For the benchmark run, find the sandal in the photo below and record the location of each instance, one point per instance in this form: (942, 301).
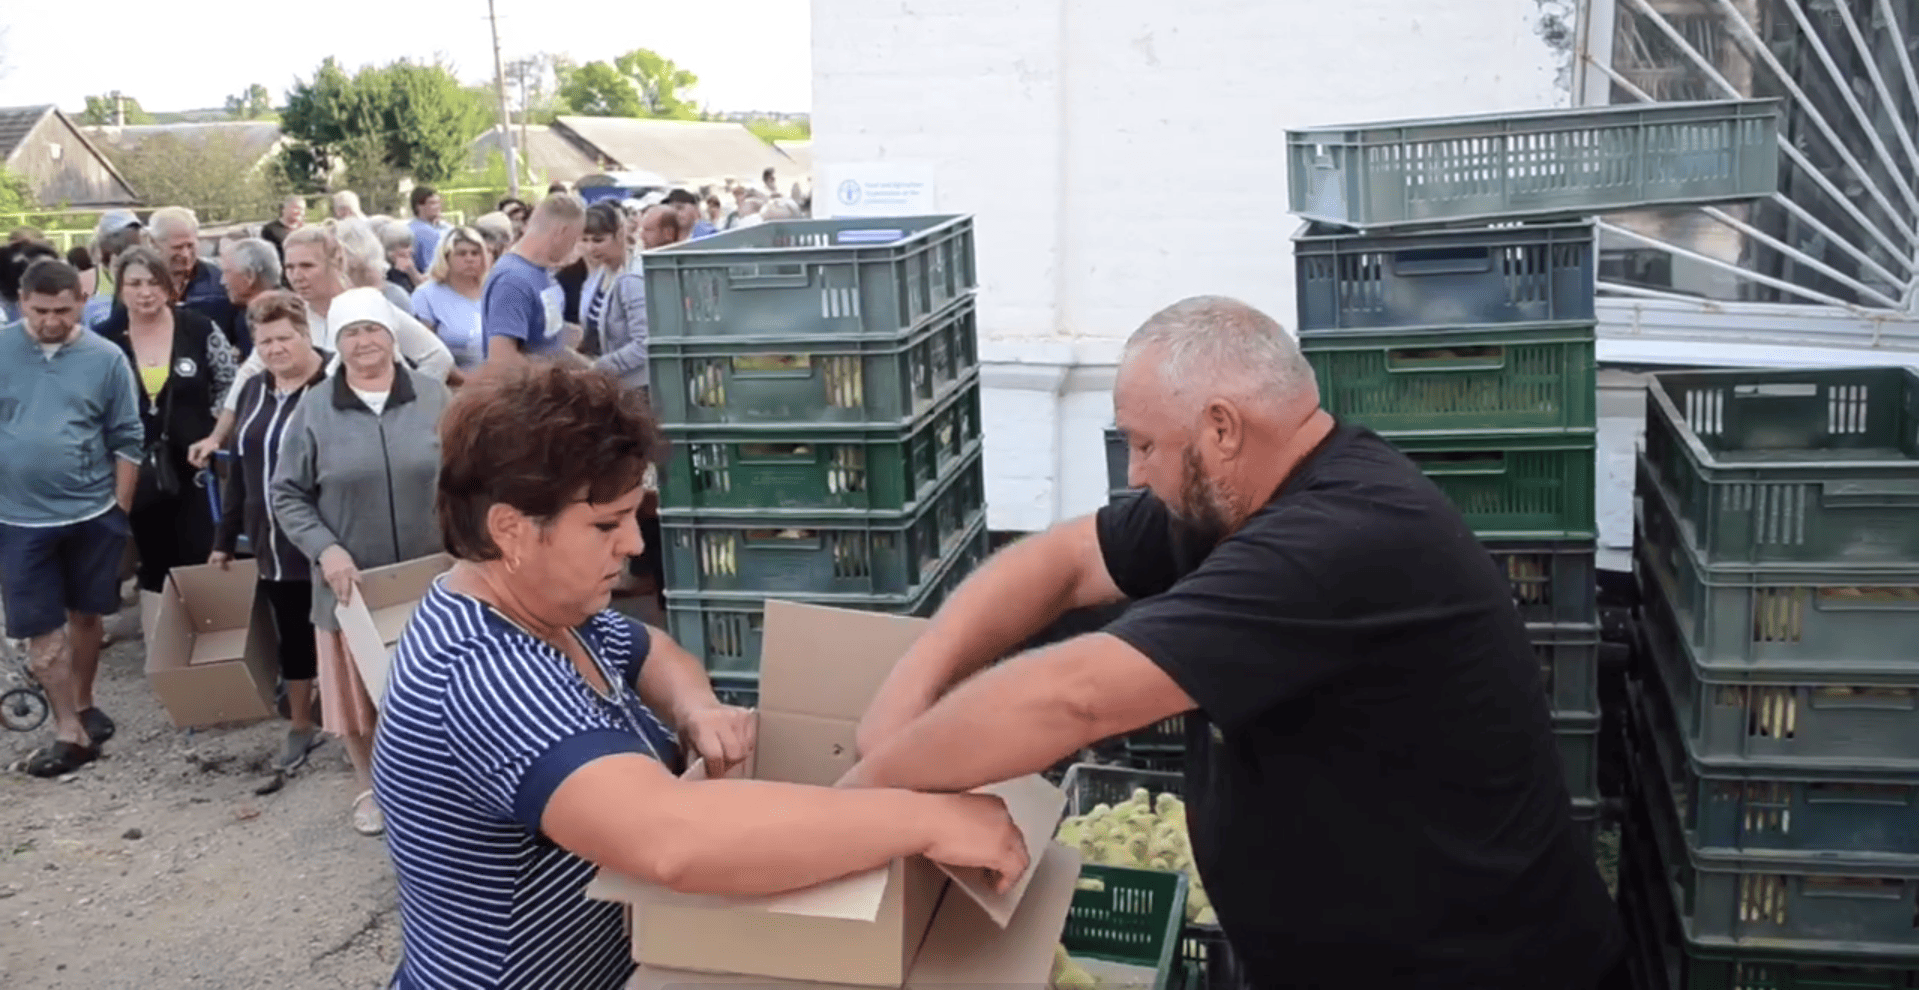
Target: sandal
(60, 759)
(99, 727)
(367, 818)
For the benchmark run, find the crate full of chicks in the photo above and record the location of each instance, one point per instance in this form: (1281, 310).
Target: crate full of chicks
(1143, 833)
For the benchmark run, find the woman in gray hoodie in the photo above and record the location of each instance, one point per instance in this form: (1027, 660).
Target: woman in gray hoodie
(354, 489)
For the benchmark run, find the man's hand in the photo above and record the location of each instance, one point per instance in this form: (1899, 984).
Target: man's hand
(340, 573)
(722, 735)
(975, 830)
(203, 450)
(220, 559)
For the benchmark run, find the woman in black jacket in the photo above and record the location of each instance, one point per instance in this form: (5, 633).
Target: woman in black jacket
(183, 366)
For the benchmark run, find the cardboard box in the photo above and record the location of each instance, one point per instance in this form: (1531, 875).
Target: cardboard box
(214, 656)
(819, 669)
(382, 606)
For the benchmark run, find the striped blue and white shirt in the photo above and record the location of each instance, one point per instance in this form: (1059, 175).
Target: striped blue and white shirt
(482, 722)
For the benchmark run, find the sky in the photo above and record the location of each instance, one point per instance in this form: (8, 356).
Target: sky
(749, 55)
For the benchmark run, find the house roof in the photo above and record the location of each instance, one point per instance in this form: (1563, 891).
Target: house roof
(553, 156)
(256, 139)
(16, 123)
(683, 151)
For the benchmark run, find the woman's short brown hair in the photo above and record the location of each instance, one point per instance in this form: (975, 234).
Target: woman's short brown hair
(146, 258)
(279, 304)
(538, 438)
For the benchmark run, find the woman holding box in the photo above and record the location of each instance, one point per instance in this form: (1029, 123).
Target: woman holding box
(521, 748)
(353, 490)
(266, 407)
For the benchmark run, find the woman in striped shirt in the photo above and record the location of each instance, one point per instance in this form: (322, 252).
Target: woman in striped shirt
(519, 747)
(267, 402)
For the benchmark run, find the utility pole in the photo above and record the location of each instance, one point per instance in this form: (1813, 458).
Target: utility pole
(506, 120)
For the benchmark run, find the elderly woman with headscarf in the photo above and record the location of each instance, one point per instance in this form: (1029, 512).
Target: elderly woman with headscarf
(316, 269)
(531, 733)
(353, 490)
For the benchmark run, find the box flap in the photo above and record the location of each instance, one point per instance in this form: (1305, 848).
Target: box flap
(829, 662)
(217, 598)
(963, 947)
(369, 650)
(382, 606)
(1035, 807)
(403, 583)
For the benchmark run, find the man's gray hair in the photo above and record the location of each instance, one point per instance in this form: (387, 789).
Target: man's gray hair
(172, 218)
(258, 259)
(1214, 345)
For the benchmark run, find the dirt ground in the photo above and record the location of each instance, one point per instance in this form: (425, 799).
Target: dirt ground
(158, 867)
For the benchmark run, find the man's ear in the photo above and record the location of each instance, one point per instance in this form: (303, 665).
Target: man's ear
(1224, 426)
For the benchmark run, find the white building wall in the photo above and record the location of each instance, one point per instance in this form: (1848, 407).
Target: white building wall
(1121, 154)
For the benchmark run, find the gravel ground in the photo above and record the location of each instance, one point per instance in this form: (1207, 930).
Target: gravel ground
(159, 867)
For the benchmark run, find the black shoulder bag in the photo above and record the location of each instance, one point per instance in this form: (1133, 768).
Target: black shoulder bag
(159, 476)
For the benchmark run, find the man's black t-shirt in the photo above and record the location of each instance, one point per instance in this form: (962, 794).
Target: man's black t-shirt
(1381, 803)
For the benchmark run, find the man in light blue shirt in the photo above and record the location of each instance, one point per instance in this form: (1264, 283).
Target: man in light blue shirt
(427, 226)
(521, 307)
(71, 440)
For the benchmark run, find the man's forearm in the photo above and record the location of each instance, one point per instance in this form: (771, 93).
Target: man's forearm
(126, 481)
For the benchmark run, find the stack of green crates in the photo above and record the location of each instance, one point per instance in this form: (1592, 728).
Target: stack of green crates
(1472, 351)
(1774, 739)
(819, 383)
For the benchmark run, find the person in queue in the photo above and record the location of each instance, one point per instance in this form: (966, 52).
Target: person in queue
(354, 490)
(196, 281)
(613, 283)
(317, 269)
(521, 746)
(1362, 706)
(266, 407)
(517, 213)
(249, 267)
(448, 302)
(71, 440)
(184, 367)
(367, 263)
(523, 307)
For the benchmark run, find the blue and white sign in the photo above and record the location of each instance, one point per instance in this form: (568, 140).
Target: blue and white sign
(875, 189)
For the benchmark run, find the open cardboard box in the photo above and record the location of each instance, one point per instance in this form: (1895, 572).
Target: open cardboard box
(214, 657)
(382, 606)
(903, 924)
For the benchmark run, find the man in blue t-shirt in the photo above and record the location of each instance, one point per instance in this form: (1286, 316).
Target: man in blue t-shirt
(521, 307)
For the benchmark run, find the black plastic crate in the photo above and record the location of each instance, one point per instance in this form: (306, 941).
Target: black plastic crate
(1520, 273)
(726, 629)
(816, 380)
(1553, 580)
(1756, 810)
(1569, 667)
(1577, 738)
(859, 469)
(805, 553)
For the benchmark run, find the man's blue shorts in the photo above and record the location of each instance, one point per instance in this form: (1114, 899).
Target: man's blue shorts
(47, 572)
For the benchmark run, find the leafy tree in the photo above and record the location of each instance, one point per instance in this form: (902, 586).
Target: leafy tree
(660, 82)
(213, 173)
(253, 103)
(16, 196)
(405, 118)
(597, 89)
(99, 111)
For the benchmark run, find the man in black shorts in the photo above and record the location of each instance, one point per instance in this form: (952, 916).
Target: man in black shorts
(70, 443)
(1374, 794)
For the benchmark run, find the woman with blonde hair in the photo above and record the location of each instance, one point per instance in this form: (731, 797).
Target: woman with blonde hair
(317, 269)
(449, 300)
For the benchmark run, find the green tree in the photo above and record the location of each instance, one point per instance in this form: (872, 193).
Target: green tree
(16, 196)
(99, 111)
(659, 82)
(253, 103)
(369, 128)
(597, 89)
(213, 173)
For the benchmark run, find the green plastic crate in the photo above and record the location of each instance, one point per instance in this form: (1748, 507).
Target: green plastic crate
(1577, 738)
(1538, 377)
(1134, 921)
(792, 380)
(853, 469)
(1513, 486)
(1568, 667)
(1756, 616)
(806, 553)
(1791, 466)
(876, 277)
(725, 629)
(1451, 280)
(1554, 582)
(1541, 164)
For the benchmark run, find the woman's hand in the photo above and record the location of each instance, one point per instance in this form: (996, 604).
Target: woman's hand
(203, 450)
(340, 573)
(976, 830)
(220, 559)
(722, 735)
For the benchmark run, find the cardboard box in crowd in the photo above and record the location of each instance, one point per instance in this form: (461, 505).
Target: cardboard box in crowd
(214, 657)
(910, 923)
(382, 606)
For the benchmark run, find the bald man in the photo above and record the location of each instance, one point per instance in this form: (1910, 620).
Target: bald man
(1374, 793)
